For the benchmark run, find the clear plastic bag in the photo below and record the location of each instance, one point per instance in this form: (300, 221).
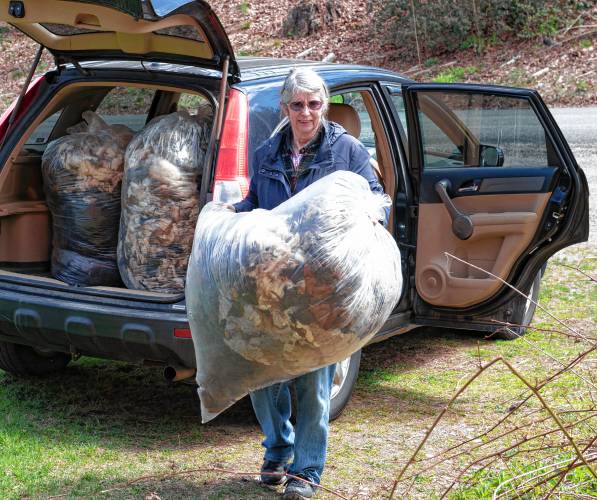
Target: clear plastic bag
(82, 176)
(160, 201)
(275, 294)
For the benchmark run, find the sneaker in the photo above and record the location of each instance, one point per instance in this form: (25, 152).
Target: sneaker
(297, 490)
(272, 472)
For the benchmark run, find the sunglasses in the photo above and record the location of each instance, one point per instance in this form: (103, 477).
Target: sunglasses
(298, 106)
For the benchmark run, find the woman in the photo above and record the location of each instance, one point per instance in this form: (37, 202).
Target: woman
(307, 149)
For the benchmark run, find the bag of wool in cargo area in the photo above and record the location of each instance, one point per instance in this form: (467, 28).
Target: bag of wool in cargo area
(160, 200)
(82, 175)
(272, 295)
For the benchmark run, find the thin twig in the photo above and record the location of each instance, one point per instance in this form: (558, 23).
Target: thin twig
(206, 469)
(570, 467)
(577, 269)
(447, 254)
(412, 6)
(535, 391)
(571, 25)
(525, 439)
(534, 328)
(521, 337)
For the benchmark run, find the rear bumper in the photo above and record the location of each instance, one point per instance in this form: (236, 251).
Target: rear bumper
(128, 332)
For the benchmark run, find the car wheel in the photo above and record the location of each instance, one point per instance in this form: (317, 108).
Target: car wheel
(24, 361)
(524, 311)
(346, 375)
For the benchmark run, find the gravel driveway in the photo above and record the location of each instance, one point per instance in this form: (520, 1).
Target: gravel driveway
(579, 125)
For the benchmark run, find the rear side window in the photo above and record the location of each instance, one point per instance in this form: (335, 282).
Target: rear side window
(194, 104)
(398, 102)
(126, 105)
(477, 130)
(355, 99)
(43, 132)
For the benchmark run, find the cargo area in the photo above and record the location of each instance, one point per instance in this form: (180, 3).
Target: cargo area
(26, 219)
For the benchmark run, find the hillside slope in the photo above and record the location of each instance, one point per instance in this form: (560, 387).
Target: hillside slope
(564, 71)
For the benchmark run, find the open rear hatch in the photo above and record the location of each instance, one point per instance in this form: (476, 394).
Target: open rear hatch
(170, 31)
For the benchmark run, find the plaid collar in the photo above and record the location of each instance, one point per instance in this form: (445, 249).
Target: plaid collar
(308, 153)
(311, 147)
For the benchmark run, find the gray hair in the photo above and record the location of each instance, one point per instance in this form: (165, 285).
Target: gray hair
(304, 79)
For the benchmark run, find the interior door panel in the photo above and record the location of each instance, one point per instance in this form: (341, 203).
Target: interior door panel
(504, 226)
(493, 188)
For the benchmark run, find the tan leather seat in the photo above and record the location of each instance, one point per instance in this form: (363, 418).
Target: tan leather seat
(347, 116)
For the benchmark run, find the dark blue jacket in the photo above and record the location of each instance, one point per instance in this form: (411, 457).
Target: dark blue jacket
(339, 151)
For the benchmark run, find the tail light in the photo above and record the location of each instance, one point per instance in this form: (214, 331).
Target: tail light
(231, 181)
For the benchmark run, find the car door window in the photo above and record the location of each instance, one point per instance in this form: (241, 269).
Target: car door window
(355, 100)
(126, 105)
(481, 130)
(398, 102)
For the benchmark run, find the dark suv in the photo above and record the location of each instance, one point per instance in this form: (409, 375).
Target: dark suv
(484, 186)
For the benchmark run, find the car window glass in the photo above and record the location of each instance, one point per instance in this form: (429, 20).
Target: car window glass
(355, 99)
(439, 150)
(476, 130)
(398, 102)
(193, 103)
(126, 105)
(43, 132)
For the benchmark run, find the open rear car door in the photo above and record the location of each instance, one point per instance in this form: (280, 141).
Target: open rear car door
(498, 193)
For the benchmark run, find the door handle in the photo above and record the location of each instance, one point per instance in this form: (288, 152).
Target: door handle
(462, 225)
(470, 187)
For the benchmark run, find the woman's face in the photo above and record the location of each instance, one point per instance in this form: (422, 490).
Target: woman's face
(304, 112)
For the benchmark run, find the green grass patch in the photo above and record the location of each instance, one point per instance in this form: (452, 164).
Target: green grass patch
(432, 61)
(483, 485)
(585, 43)
(244, 8)
(455, 74)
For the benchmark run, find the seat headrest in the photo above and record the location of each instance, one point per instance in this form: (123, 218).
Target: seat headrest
(347, 116)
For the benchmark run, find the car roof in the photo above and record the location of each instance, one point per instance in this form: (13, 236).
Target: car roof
(255, 68)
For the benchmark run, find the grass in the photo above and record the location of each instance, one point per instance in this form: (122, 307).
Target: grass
(585, 43)
(102, 424)
(432, 61)
(455, 74)
(244, 8)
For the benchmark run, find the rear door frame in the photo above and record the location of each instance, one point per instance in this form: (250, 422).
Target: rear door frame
(573, 227)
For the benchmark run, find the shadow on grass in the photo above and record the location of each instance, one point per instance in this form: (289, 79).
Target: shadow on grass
(193, 486)
(132, 406)
(221, 488)
(121, 405)
(417, 348)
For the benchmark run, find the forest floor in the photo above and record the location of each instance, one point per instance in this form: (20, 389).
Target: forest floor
(563, 66)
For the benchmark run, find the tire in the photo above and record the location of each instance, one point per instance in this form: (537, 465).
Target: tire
(25, 361)
(347, 372)
(524, 311)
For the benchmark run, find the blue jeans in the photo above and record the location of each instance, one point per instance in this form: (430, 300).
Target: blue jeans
(308, 441)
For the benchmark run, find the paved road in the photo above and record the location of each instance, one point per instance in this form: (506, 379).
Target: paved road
(579, 125)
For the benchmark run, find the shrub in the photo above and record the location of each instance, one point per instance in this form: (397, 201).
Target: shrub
(446, 25)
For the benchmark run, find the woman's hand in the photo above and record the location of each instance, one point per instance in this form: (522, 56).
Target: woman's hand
(230, 207)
